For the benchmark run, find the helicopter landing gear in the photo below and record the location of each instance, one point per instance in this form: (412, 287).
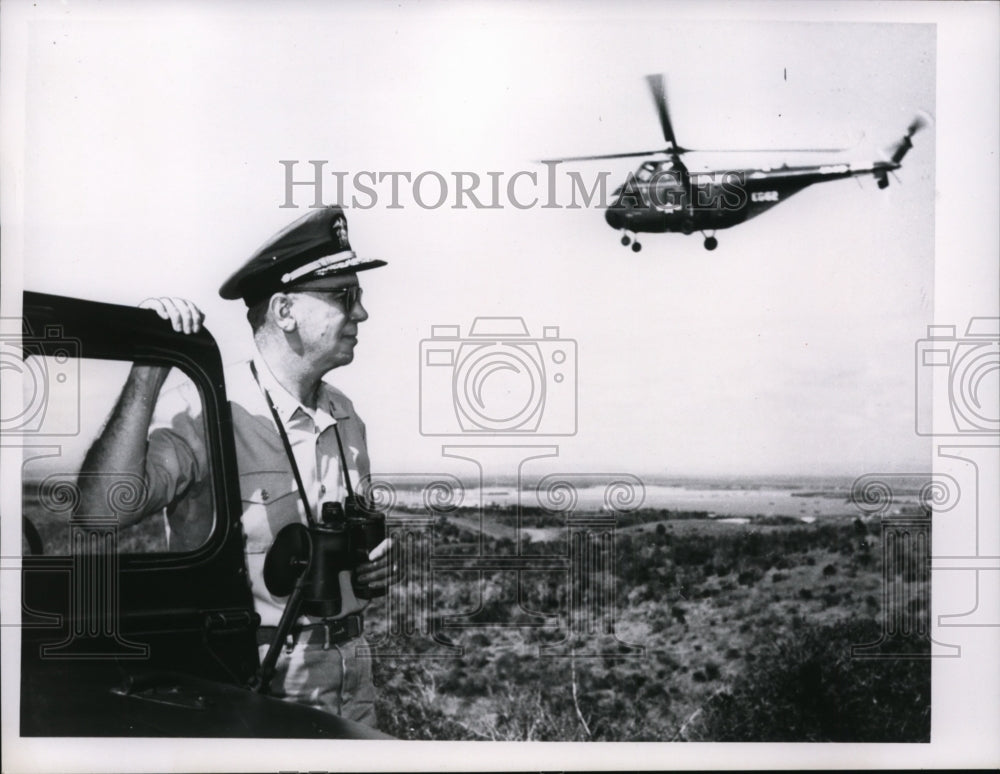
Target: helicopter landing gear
(711, 242)
(628, 240)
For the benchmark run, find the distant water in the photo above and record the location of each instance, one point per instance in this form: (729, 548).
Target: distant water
(721, 502)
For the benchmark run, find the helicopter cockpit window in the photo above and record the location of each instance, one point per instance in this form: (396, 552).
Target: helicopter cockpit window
(70, 400)
(646, 172)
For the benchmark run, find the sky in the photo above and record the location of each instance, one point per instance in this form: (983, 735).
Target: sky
(152, 149)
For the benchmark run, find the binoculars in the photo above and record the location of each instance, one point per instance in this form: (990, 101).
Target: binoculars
(341, 541)
(319, 555)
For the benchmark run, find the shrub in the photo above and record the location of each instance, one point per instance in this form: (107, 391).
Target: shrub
(808, 688)
(405, 704)
(749, 577)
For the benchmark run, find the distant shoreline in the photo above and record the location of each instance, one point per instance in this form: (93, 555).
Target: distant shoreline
(725, 498)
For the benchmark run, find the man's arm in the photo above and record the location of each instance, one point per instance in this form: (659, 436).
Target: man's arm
(118, 456)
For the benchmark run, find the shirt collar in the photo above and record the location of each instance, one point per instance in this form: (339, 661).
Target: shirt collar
(287, 405)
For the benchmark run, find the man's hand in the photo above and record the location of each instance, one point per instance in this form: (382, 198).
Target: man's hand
(183, 314)
(383, 566)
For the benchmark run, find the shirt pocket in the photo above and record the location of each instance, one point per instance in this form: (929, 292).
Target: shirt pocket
(270, 502)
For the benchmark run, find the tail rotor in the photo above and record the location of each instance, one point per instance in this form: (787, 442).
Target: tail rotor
(900, 149)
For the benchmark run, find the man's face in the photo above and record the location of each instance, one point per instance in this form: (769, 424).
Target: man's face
(327, 315)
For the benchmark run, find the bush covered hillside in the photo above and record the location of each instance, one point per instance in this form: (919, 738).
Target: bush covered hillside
(720, 632)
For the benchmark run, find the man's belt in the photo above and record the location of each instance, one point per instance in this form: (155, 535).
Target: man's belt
(325, 633)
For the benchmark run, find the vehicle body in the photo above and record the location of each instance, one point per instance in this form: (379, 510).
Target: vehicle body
(118, 639)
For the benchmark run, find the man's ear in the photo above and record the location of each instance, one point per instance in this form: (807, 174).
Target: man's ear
(279, 309)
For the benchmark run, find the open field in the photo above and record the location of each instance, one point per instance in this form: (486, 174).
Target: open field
(722, 631)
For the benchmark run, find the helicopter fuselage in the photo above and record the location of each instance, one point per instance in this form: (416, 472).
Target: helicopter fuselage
(665, 195)
(659, 198)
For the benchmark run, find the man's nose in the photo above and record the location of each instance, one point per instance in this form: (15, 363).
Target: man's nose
(358, 312)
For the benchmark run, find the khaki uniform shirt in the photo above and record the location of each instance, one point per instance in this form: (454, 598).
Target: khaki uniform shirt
(178, 475)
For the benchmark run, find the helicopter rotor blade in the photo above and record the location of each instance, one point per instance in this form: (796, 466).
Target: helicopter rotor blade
(656, 88)
(761, 150)
(605, 156)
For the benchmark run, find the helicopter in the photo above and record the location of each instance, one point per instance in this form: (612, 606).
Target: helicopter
(662, 195)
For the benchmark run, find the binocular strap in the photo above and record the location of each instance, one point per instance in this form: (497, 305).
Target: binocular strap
(291, 457)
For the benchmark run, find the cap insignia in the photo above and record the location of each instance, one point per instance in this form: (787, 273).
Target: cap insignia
(339, 229)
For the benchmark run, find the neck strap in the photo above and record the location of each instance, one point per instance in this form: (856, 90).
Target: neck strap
(291, 457)
(343, 464)
(310, 518)
(288, 447)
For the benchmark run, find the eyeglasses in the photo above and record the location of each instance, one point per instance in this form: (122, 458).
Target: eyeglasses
(351, 295)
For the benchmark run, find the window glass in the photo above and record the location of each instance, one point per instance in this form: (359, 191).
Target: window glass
(69, 402)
